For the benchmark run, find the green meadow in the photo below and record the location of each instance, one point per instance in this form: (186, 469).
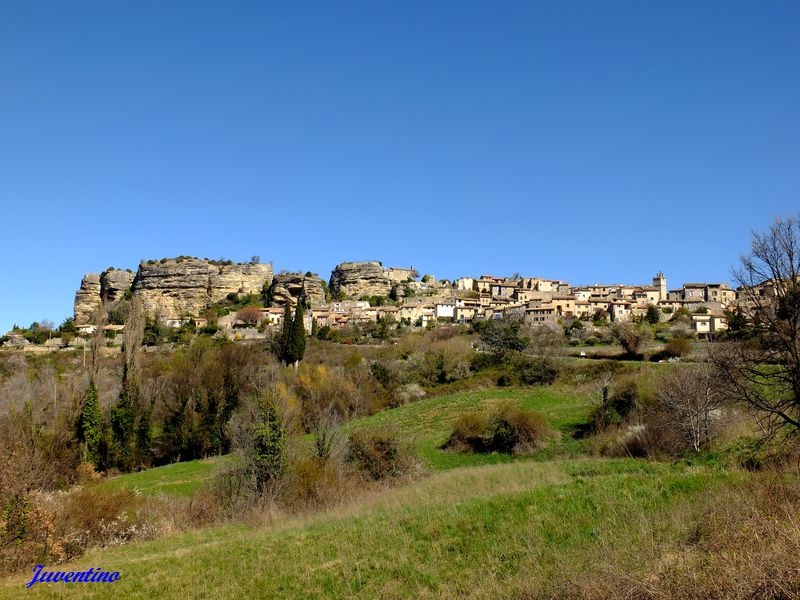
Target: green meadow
(472, 526)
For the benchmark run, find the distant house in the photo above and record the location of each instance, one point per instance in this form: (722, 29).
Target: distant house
(464, 284)
(445, 310)
(620, 310)
(399, 274)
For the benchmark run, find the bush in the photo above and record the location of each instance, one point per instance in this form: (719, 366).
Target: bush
(678, 347)
(613, 409)
(507, 429)
(379, 454)
(313, 483)
(469, 433)
(537, 370)
(516, 431)
(411, 392)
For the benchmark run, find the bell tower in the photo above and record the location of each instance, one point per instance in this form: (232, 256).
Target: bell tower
(660, 282)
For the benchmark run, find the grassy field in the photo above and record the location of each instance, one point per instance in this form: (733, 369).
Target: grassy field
(179, 479)
(426, 423)
(474, 526)
(471, 531)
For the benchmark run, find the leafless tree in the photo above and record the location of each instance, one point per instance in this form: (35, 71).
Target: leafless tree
(689, 396)
(249, 315)
(631, 335)
(763, 369)
(133, 336)
(97, 341)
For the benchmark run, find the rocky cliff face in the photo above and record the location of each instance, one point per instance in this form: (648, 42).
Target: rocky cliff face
(356, 279)
(87, 298)
(288, 287)
(114, 284)
(175, 288)
(172, 288)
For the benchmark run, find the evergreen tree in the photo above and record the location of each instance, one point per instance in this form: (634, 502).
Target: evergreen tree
(286, 335)
(297, 342)
(269, 444)
(91, 426)
(122, 423)
(314, 327)
(143, 441)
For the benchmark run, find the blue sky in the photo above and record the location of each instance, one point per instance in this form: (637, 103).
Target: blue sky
(588, 141)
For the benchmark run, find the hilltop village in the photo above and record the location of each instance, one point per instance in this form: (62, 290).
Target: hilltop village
(246, 301)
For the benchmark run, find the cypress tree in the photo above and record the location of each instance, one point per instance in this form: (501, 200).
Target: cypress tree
(297, 343)
(286, 335)
(122, 422)
(314, 327)
(91, 426)
(269, 447)
(143, 440)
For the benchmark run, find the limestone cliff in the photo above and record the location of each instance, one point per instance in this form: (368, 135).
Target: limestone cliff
(114, 283)
(177, 287)
(356, 279)
(172, 287)
(288, 287)
(87, 298)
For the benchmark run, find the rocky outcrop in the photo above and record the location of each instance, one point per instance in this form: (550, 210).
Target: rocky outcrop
(177, 287)
(114, 283)
(356, 279)
(87, 298)
(172, 288)
(288, 287)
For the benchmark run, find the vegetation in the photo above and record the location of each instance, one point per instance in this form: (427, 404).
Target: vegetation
(91, 426)
(482, 461)
(507, 429)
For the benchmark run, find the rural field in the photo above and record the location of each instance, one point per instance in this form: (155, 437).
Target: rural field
(559, 523)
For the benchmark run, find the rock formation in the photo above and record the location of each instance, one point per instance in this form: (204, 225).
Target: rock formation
(288, 287)
(356, 279)
(173, 287)
(114, 283)
(87, 298)
(177, 287)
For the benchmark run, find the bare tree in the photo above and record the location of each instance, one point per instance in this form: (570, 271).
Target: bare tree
(133, 336)
(631, 335)
(690, 398)
(249, 315)
(97, 341)
(763, 370)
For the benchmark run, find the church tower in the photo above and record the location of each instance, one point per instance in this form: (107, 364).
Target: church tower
(660, 282)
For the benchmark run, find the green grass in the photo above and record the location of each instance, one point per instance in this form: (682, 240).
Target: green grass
(480, 532)
(477, 526)
(429, 422)
(178, 479)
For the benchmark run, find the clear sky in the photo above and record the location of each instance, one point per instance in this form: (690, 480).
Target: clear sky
(582, 140)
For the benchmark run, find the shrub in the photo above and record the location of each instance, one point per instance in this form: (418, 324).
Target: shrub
(678, 347)
(379, 454)
(537, 370)
(312, 483)
(507, 429)
(469, 433)
(411, 392)
(613, 409)
(517, 431)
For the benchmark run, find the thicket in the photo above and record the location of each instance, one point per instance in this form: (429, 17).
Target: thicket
(507, 429)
